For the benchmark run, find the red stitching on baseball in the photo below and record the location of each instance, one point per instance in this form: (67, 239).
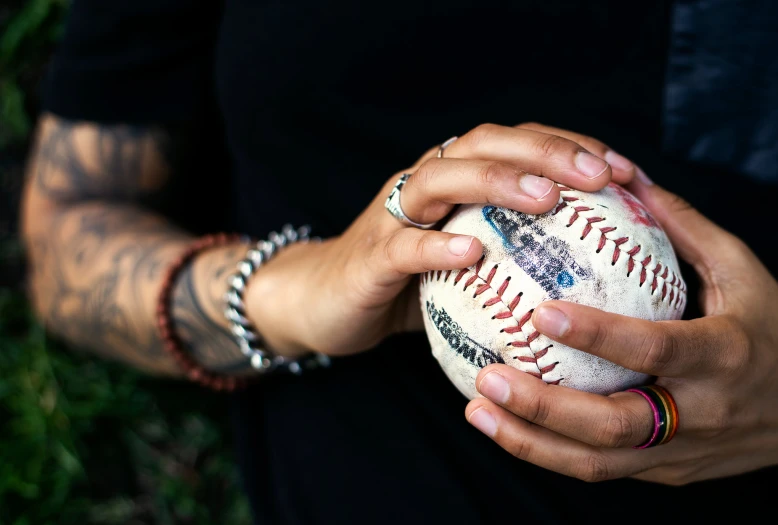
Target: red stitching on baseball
(525, 318)
(513, 304)
(677, 286)
(487, 284)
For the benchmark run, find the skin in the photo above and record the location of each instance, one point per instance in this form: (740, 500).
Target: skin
(98, 249)
(97, 252)
(722, 370)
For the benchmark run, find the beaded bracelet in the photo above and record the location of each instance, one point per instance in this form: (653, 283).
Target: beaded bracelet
(172, 342)
(245, 335)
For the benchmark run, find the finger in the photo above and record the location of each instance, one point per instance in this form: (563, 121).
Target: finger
(620, 420)
(623, 168)
(439, 184)
(411, 250)
(554, 157)
(695, 348)
(550, 450)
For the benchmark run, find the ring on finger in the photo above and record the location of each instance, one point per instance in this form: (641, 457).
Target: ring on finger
(393, 206)
(446, 144)
(665, 414)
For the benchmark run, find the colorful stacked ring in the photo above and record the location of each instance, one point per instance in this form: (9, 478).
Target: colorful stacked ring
(665, 414)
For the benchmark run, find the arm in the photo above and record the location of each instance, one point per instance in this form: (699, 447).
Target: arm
(97, 254)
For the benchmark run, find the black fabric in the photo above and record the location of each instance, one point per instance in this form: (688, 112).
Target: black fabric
(318, 105)
(722, 86)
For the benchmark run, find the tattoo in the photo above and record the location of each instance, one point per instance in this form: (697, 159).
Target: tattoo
(194, 310)
(78, 162)
(98, 266)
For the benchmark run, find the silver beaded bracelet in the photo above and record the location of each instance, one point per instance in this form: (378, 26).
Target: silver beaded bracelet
(245, 334)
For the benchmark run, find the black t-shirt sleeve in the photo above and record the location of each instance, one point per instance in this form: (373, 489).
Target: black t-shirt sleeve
(133, 61)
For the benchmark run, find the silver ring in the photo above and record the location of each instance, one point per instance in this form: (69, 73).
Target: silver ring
(392, 205)
(446, 144)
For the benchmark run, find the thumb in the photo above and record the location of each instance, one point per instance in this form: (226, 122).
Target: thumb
(697, 239)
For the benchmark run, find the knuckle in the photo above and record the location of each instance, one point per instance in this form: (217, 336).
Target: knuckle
(740, 355)
(520, 449)
(599, 337)
(658, 351)
(420, 248)
(617, 431)
(392, 248)
(551, 145)
(491, 174)
(422, 179)
(538, 409)
(481, 134)
(532, 126)
(594, 468)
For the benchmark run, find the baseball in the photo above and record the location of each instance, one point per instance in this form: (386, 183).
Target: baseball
(601, 249)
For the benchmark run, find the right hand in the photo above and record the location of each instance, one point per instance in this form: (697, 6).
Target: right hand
(344, 295)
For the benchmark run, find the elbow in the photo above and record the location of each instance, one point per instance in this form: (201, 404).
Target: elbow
(35, 226)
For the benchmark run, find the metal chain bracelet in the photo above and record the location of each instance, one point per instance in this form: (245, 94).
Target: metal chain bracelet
(245, 334)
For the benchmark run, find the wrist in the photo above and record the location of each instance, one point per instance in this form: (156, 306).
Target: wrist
(277, 301)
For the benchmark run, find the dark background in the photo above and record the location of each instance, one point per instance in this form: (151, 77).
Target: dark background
(83, 440)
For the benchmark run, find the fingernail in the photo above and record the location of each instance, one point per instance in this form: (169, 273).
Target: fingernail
(534, 186)
(460, 245)
(551, 321)
(495, 387)
(484, 421)
(644, 178)
(590, 165)
(618, 161)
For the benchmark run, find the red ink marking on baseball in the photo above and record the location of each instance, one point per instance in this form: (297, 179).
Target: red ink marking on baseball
(640, 215)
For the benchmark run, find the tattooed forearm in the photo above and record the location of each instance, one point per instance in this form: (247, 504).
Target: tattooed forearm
(198, 310)
(97, 259)
(77, 162)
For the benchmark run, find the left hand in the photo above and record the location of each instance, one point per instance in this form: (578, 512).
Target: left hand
(722, 370)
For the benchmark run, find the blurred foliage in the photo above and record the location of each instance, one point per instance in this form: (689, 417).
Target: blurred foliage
(83, 440)
(29, 31)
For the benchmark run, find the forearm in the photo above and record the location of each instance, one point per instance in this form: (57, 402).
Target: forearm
(98, 255)
(96, 274)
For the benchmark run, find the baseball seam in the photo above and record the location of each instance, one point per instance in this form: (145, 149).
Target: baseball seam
(676, 287)
(486, 284)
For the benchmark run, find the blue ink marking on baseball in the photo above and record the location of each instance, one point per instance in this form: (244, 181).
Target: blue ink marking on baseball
(565, 280)
(545, 259)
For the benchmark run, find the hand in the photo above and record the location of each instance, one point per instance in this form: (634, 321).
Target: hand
(346, 294)
(722, 370)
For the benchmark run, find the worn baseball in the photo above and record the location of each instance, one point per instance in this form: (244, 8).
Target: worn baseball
(601, 249)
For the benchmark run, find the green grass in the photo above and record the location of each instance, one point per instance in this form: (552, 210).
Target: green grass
(86, 441)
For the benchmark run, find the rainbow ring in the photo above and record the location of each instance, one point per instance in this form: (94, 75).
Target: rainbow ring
(665, 414)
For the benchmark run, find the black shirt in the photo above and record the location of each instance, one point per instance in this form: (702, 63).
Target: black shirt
(316, 105)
